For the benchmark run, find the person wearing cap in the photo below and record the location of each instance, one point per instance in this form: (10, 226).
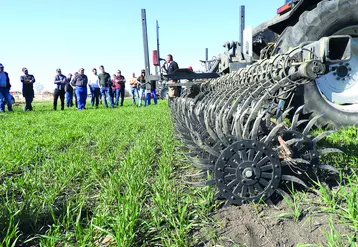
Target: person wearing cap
(80, 81)
(27, 88)
(134, 88)
(69, 91)
(5, 90)
(60, 82)
(121, 80)
(170, 66)
(143, 88)
(93, 84)
(105, 83)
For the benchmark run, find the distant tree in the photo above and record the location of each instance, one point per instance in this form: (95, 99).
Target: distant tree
(39, 88)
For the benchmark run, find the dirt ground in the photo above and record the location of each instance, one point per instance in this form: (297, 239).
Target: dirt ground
(257, 226)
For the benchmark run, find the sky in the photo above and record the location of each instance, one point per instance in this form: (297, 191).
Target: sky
(44, 35)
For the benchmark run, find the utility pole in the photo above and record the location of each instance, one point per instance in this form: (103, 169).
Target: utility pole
(242, 27)
(145, 43)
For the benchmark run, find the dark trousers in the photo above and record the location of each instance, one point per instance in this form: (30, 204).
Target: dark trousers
(95, 92)
(59, 93)
(119, 93)
(29, 97)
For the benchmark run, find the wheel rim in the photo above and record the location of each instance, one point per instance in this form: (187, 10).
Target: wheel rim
(164, 93)
(339, 87)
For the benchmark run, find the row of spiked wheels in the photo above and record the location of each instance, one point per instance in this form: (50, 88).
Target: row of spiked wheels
(241, 132)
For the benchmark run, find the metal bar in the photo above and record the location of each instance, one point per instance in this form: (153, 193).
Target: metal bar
(145, 42)
(207, 59)
(158, 50)
(242, 27)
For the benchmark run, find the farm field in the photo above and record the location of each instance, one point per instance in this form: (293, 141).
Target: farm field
(106, 177)
(114, 177)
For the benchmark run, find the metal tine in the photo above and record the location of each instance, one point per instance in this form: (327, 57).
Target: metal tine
(255, 128)
(296, 117)
(241, 124)
(297, 161)
(197, 175)
(283, 193)
(201, 184)
(206, 148)
(299, 123)
(323, 135)
(293, 179)
(329, 168)
(284, 115)
(329, 150)
(311, 124)
(274, 132)
(253, 114)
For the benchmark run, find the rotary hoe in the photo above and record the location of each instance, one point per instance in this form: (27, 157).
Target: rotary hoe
(242, 131)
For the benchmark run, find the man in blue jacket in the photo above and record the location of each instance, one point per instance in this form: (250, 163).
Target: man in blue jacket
(60, 82)
(5, 90)
(27, 88)
(80, 81)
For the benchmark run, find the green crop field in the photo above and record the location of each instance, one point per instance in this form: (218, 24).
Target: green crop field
(105, 177)
(114, 177)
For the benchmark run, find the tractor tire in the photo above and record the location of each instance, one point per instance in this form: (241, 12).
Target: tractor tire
(328, 18)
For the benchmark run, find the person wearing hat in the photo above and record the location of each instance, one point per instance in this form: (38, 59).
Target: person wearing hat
(60, 82)
(122, 85)
(5, 90)
(80, 81)
(69, 91)
(134, 88)
(27, 88)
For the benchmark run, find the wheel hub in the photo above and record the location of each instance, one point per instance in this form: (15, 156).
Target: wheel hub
(247, 170)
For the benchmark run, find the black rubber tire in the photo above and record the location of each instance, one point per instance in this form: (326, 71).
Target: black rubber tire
(326, 19)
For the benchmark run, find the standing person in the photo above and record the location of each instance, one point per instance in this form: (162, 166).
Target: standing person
(69, 91)
(170, 66)
(153, 88)
(115, 89)
(80, 82)
(93, 84)
(105, 84)
(5, 90)
(74, 88)
(143, 87)
(60, 82)
(121, 80)
(134, 88)
(27, 88)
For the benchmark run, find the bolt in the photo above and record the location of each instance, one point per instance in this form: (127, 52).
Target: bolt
(219, 169)
(248, 174)
(231, 150)
(254, 166)
(276, 177)
(242, 145)
(212, 162)
(276, 166)
(223, 159)
(272, 187)
(233, 198)
(334, 73)
(347, 64)
(338, 78)
(256, 177)
(220, 180)
(243, 181)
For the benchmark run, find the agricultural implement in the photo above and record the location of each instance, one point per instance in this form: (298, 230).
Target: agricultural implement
(249, 130)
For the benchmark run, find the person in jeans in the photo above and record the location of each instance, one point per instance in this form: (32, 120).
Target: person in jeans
(153, 92)
(60, 82)
(5, 90)
(80, 82)
(143, 88)
(121, 80)
(134, 88)
(69, 91)
(93, 83)
(105, 84)
(115, 89)
(27, 88)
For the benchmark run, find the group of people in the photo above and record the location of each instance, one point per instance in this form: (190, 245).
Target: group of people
(102, 86)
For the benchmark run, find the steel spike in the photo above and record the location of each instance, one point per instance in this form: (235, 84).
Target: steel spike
(293, 179)
(329, 168)
(329, 150)
(311, 124)
(201, 184)
(296, 117)
(323, 135)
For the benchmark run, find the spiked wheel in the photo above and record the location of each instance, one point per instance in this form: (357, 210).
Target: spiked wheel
(247, 171)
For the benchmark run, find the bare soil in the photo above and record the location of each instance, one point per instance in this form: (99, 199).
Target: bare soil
(256, 226)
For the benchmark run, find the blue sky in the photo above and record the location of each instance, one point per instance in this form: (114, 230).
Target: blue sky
(43, 35)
